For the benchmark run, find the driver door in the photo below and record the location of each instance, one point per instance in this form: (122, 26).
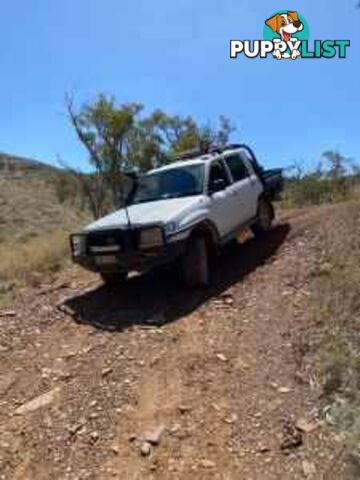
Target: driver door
(222, 199)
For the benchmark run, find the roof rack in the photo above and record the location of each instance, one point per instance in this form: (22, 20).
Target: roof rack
(214, 149)
(195, 152)
(232, 146)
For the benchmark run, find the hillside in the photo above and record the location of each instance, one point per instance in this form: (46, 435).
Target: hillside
(29, 206)
(28, 201)
(12, 165)
(34, 224)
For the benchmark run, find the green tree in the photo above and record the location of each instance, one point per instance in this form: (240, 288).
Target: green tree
(120, 137)
(337, 164)
(104, 129)
(175, 134)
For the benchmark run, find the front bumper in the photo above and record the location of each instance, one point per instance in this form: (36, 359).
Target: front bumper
(126, 256)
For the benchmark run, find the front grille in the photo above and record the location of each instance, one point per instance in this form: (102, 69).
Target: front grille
(101, 242)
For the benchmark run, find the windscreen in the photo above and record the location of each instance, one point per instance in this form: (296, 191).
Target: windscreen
(173, 183)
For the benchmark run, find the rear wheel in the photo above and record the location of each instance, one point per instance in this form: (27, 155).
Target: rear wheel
(265, 216)
(195, 263)
(113, 278)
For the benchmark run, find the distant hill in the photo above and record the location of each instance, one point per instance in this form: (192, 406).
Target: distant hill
(12, 165)
(29, 204)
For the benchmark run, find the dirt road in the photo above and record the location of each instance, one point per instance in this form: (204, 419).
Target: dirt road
(153, 382)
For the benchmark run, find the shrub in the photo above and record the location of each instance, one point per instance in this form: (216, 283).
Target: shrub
(331, 182)
(313, 189)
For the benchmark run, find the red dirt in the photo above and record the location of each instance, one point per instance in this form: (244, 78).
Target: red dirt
(224, 371)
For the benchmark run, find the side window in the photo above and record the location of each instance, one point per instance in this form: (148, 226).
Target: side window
(238, 169)
(219, 179)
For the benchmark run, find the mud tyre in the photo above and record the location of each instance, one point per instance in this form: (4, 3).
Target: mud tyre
(195, 263)
(265, 216)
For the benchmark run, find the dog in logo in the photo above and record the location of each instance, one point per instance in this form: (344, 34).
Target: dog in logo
(285, 25)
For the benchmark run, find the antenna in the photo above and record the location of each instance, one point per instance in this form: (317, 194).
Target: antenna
(128, 217)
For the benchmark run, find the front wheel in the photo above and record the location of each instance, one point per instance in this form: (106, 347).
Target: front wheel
(265, 216)
(195, 263)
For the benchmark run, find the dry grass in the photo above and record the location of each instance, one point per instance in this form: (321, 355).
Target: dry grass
(30, 206)
(34, 230)
(336, 300)
(6, 295)
(39, 254)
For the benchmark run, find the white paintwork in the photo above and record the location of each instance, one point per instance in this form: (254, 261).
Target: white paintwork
(182, 163)
(222, 205)
(250, 188)
(228, 209)
(160, 211)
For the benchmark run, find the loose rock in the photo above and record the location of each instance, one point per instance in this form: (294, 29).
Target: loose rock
(38, 402)
(292, 437)
(207, 463)
(231, 419)
(184, 409)
(8, 313)
(94, 437)
(115, 449)
(154, 437)
(145, 449)
(106, 371)
(309, 468)
(221, 357)
(284, 390)
(305, 426)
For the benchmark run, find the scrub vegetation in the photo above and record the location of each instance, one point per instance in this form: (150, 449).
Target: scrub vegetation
(336, 305)
(34, 227)
(335, 179)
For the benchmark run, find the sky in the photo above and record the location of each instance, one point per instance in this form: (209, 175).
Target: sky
(175, 56)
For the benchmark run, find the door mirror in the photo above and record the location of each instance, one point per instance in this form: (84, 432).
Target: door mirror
(217, 185)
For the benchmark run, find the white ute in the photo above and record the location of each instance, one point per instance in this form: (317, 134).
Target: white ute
(184, 211)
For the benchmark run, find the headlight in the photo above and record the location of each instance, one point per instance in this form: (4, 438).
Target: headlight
(151, 237)
(78, 245)
(171, 228)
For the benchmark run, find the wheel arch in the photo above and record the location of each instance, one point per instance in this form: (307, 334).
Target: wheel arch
(208, 230)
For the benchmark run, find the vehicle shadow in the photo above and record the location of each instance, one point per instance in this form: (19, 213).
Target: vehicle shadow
(159, 297)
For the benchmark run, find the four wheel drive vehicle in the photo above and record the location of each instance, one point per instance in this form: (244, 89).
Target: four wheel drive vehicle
(184, 211)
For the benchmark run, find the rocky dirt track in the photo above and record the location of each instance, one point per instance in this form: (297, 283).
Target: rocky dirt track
(151, 381)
